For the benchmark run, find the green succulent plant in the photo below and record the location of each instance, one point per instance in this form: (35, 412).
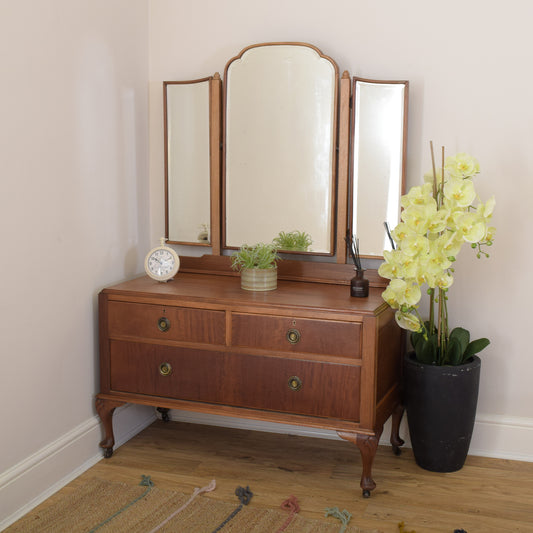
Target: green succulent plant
(260, 255)
(293, 240)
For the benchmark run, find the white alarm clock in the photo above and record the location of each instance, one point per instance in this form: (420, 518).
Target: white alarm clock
(162, 262)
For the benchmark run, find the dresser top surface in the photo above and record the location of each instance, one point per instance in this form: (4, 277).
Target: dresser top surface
(226, 291)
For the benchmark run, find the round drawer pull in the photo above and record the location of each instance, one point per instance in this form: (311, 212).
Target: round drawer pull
(165, 369)
(295, 383)
(293, 336)
(163, 324)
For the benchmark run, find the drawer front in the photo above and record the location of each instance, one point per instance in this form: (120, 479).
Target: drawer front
(189, 374)
(166, 323)
(257, 382)
(295, 386)
(303, 335)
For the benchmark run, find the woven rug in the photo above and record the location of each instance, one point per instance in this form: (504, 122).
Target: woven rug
(111, 507)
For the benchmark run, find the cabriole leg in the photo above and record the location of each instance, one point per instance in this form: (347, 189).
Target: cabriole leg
(395, 439)
(368, 445)
(105, 409)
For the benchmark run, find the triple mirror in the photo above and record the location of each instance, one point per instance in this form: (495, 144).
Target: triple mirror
(281, 156)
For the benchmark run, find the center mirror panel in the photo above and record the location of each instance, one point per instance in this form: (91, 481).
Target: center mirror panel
(279, 147)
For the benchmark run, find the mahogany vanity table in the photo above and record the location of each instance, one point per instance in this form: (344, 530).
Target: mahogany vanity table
(282, 143)
(305, 354)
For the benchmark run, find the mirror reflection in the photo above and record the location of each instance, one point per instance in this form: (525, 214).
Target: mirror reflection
(279, 140)
(278, 181)
(378, 161)
(187, 161)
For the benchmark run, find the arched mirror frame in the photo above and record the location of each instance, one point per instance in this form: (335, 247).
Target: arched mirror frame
(315, 102)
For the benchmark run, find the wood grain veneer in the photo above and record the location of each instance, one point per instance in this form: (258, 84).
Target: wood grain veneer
(307, 353)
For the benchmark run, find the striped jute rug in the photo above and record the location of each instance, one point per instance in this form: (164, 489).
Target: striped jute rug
(111, 507)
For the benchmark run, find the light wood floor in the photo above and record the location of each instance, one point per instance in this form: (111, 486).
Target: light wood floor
(486, 496)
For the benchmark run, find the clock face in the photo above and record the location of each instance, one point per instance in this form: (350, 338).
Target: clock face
(161, 264)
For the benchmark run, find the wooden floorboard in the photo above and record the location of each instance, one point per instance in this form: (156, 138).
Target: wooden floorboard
(486, 496)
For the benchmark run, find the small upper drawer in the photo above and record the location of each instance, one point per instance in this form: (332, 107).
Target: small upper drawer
(166, 323)
(289, 334)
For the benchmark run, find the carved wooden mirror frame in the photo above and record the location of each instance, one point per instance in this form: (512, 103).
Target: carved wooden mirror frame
(343, 186)
(280, 147)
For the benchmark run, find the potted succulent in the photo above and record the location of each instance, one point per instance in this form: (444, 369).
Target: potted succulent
(298, 241)
(257, 265)
(441, 374)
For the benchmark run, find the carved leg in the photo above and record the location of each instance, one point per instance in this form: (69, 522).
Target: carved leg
(395, 439)
(105, 409)
(368, 445)
(164, 413)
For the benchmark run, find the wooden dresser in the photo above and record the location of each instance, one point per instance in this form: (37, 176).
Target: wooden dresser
(305, 354)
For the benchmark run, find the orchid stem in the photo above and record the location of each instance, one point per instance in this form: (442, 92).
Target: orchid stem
(432, 311)
(434, 170)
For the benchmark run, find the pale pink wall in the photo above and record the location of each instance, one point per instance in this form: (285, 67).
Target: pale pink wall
(73, 201)
(468, 64)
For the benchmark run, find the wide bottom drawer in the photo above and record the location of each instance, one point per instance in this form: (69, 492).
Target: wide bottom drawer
(258, 382)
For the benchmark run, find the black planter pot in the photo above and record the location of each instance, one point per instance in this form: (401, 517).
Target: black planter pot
(441, 404)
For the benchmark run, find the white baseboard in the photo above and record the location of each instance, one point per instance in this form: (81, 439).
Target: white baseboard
(30, 482)
(504, 437)
(269, 427)
(494, 435)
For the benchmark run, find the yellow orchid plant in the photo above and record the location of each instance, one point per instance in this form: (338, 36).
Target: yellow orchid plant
(437, 219)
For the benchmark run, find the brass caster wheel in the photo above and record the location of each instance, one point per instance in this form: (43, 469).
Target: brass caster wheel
(366, 493)
(397, 450)
(108, 452)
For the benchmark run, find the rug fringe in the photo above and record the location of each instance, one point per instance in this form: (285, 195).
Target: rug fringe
(208, 488)
(344, 516)
(245, 496)
(291, 505)
(145, 482)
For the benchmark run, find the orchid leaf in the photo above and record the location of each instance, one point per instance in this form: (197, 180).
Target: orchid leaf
(454, 353)
(462, 336)
(416, 338)
(475, 347)
(426, 351)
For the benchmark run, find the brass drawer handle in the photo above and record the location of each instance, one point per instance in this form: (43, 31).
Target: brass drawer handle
(293, 336)
(295, 383)
(165, 369)
(163, 324)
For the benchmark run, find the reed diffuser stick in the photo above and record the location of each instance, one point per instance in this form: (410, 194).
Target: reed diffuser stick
(353, 248)
(392, 243)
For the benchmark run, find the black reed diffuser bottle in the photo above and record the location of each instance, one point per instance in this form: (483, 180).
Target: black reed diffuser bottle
(358, 284)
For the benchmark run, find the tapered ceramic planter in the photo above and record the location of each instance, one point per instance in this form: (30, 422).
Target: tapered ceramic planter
(259, 279)
(441, 404)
